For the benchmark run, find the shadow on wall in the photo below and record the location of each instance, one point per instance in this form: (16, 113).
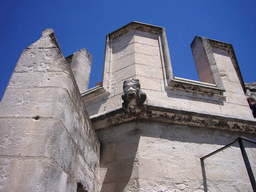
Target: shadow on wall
(138, 155)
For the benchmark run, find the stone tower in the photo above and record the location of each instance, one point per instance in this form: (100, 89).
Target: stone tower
(151, 128)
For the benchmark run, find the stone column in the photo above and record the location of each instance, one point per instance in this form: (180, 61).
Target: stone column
(216, 63)
(81, 63)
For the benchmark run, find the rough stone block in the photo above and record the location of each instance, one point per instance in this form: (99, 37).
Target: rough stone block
(123, 52)
(237, 99)
(42, 174)
(84, 174)
(121, 171)
(33, 60)
(149, 71)
(123, 62)
(81, 68)
(233, 87)
(239, 111)
(146, 38)
(150, 83)
(125, 73)
(153, 60)
(146, 49)
(122, 41)
(38, 138)
(25, 103)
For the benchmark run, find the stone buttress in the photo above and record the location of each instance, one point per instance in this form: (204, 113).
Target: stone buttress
(46, 141)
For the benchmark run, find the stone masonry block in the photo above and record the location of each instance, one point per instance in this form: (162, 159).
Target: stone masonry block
(46, 80)
(32, 60)
(146, 49)
(125, 73)
(238, 99)
(153, 60)
(81, 68)
(134, 36)
(40, 79)
(239, 111)
(123, 52)
(232, 87)
(146, 38)
(149, 83)
(122, 41)
(121, 171)
(124, 62)
(149, 71)
(84, 174)
(42, 174)
(25, 103)
(24, 137)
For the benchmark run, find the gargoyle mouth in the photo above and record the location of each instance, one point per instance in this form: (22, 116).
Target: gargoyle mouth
(131, 94)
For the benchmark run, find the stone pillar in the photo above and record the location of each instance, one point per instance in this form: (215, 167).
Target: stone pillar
(216, 63)
(137, 51)
(81, 63)
(205, 63)
(46, 139)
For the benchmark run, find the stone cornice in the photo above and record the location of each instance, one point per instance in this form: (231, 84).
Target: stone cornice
(198, 87)
(173, 116)
(135, 26)
(94, 92)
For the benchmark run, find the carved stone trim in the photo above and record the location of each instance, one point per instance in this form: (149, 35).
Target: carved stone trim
(196, 87)
(174, 116)
(93, 93)
(135, 26)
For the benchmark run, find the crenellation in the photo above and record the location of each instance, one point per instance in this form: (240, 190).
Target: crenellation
(142, 129)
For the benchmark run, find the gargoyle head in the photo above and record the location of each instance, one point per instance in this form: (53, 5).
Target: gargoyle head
(131, 89)
(133, 96)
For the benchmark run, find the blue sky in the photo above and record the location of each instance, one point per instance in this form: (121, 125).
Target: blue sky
(84, 24)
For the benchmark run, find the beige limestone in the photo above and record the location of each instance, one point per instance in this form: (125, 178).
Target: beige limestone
(168, 156)
(80, 64)
(47, 141)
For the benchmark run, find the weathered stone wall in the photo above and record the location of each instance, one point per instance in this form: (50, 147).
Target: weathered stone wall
(152, 156)
(46, 139)
(134, 51)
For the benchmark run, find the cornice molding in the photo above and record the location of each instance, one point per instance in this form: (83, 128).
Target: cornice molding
(173, 116)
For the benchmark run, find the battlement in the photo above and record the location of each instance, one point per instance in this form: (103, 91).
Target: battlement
(140, 51)
(143, 129)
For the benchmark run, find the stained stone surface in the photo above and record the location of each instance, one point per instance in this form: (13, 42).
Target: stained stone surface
(80, 63)
(136, 52)
(149, 156)
(47, 141)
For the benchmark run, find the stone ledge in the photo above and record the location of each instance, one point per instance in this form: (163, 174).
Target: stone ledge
(173, 116)
(198, 87)
(93, 92)
(135, 26)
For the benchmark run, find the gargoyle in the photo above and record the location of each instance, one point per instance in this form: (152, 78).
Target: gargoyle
(133, 97)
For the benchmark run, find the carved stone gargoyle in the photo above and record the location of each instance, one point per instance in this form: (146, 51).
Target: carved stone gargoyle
(132, 96)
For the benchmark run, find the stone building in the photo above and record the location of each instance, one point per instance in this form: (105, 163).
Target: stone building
(142, 129)
(251, 89)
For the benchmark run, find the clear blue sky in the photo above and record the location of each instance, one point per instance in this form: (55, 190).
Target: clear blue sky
(85, 23)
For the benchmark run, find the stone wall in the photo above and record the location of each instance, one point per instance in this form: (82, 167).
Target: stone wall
(46, 139)
(139, 51)
(153, 156)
